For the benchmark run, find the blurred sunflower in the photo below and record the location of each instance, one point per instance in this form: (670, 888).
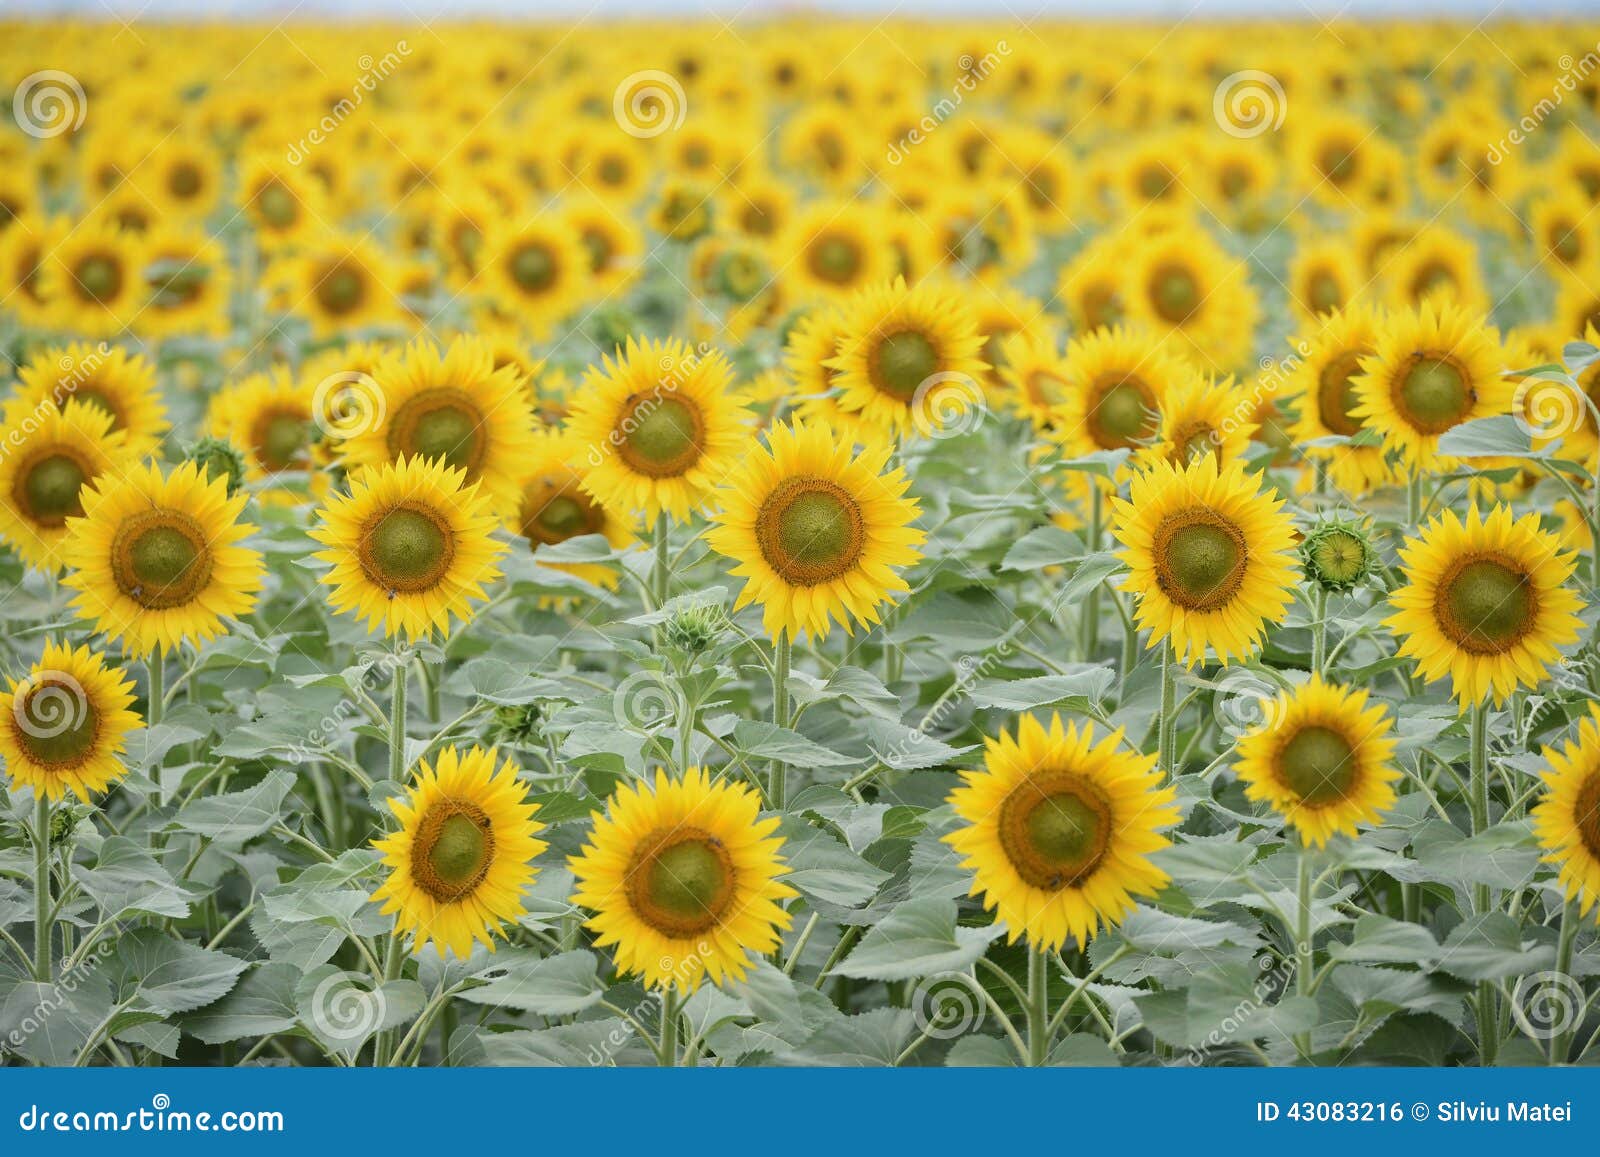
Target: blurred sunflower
(556, 507)
(56, 454)
(100, 377)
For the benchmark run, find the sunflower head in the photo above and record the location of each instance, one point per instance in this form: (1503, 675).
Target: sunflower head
(63, 726)
(1567, 817)
(1339, 554)
(54, 457)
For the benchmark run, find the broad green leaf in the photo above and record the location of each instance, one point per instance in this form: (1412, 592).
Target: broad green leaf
(918, 938)
(561, 985)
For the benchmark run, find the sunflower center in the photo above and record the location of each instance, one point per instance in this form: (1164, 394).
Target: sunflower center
(533, 268)
(1124, 412)
(835, 259)
(452, 850)
(89, 396)
(100, 278)
(1175, 293)
(341, 291)
(278, 206)
(1486, 605)
(661, 437)
(1336, 393)
(553, 512)
(184, 181)
(1324, 292)
(810, 531)
(1318, 765)
(903, 362)
(1434, 394)
(1200, 558)
(681, 882)
(1586, 815)
(55, 723)
(279, 440)
(1055, 829)
(1101, 308)
(1194, 440)
(1340, 556)
(1337, 162)
(159, 559)
(1045, 388)
(443, 423)
(407, 549)
(47, 488)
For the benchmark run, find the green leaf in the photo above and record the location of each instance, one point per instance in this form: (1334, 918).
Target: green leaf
(561, 985)
(343, 1009)
(1044, 547)
(170, 976)
(1081, 683)
(126, 879)
(916, 939)
(263, 1003)
(822, 868)
(1498, 437)
(1491, 947)
(238, 816)
(761, 740)
(1380, 940)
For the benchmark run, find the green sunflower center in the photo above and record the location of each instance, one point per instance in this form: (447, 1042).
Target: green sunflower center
(1339, 557)
(810, 531)
(90, 396)
(554, 510)
(1318, 765)
(1200, 558)
(1336, 393)
(835, 259)
(1055, 829)
(278, 206)
(533, 267)
(48, 489)
(452, 850)
(1337, 162)
(661, 437)
(1174, 293)
(903, 361)
(341, 290)
(1434, 394)
(280, 440)
(407, 549)
(681, 883)
(1123, 414)
(185, 181)
(1486, 604)
(99, 277)
(1324, 292)
(159, 558)
(55, 723)
(444, 424)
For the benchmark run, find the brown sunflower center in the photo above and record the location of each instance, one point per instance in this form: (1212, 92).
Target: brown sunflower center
(160, 559)
(185, 181)
(1565, 242)
(1200, 558)
(341, 290)
(452, 850)
(407, 548)
(554, 511)
(1101, 308)
(1336, 393)
(1432, 393)
(47, 486)
(1586, 814)
(54, 722)
(1195, 439)
(442, 423)
(835, 259)
(681, 881)
(1045, 388)
(661, 437)
(1318, 765)
(1337, 162)
(1123, 412)
(1055, 828)
(810, 531)
(1174, 292)
(100, 277)
(533, 267)
(902, 362)
(1324, 292)
(280, 439)
(1432, 275)
(1485, 604)
(101, 401)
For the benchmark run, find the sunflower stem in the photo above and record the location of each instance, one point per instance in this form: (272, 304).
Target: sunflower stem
(1304, 962)
(669, 1027)
(1561, 1042)
(1413, 502)
(1167, 724)
(1319, 631)
(661, 576)
(1038, 1006)
(43, 924)
(393, 958)
(155, 688)
(781, 655)
(1089, 625)
(1478, 784)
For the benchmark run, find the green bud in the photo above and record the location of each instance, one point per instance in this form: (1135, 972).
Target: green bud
(519, 726)
(218, 459)
(1339, 554)
(694, 630)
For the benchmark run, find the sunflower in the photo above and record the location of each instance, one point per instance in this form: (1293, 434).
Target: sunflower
(268, 418)
(659, 424)
(1035, 374)
(92, 278)
(46, 459)
(556, 507)
(464, 853)
(1187, 290)
(833, 249)
(63, 727)
(1209, 556)
(451, 406)
(1484, 602)
(1059, 830)
(101, 377)
(1092, 286)
(340, 283)
(1324, 278)
(684, 879)
(1561, 230)
(900, 350)
(817, 528)
(538, 272)
(1322, 759)
(1204, 415)
(187, 285)
(1432, 369)
(1321, 386)
(24, 284)
(1438, 266)
(157, 561)
(1117, 380)
(283, 202)
(1567, 818)
(410, 546)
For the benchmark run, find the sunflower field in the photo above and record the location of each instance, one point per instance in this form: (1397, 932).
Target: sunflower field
(800, 542)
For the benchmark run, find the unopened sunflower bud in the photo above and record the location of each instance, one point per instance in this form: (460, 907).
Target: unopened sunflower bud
(1338, 555)
(218, 459)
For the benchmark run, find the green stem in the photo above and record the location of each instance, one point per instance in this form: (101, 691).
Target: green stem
(1319, 631)
(1089, 625)
(1413, 503)
(1561, 1042)
(669, 1027)
(43, 924)
(397, 723)
(1167, 724)
(782, 653)
(155, 693)
(1482, 898)
(661, 576)
(1304, 961)
(1038, 1006)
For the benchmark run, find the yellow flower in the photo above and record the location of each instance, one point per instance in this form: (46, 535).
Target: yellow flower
(100, 377)
(1567, 817)
(46, 461)
(63, 727)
